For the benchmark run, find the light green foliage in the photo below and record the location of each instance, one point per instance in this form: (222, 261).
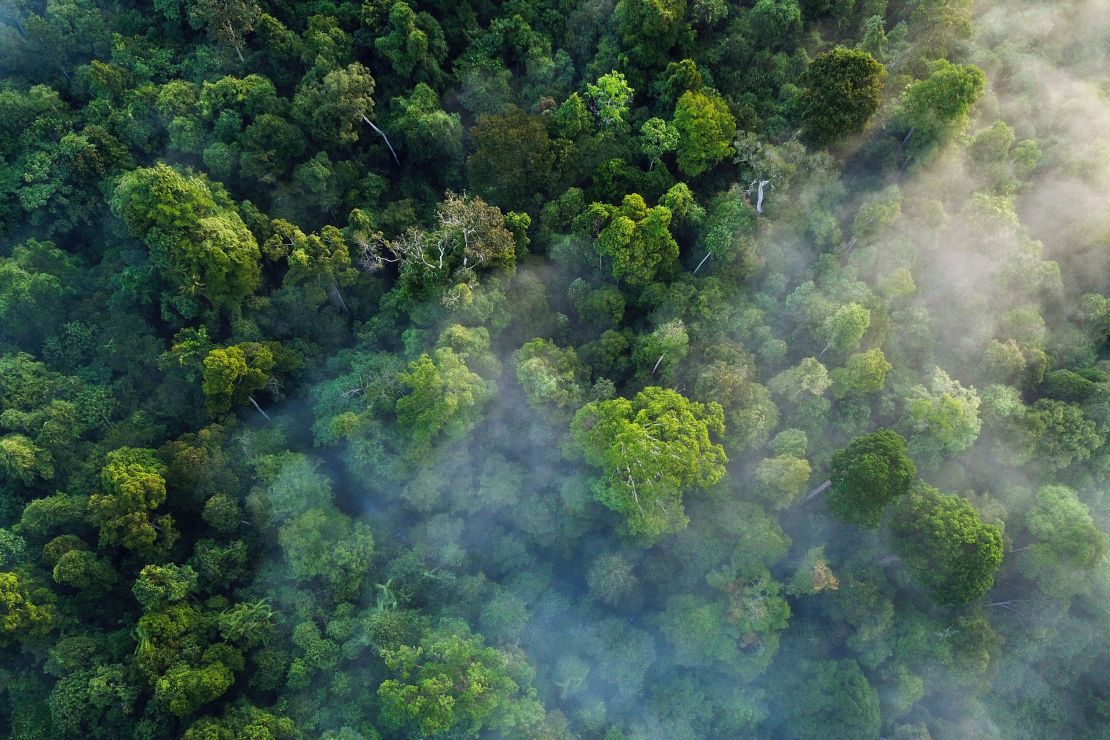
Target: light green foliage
(946, 545)
(233, 374)
(943, 418)
(428, 132)
(131, 490)
(609, 98)
(414, 45)
(184, 689)
(198, 243)
(331, 109)
(1063, 528)
(658, 137)
(25, 609)
(867, 475)
(1061, 433)
(876, 214)
(808, 378)
(550, 375)
(159, 585)
(451, 682)
(443, 397)
(651, 450)
(843, 93)
(636, 239)
(937, 107)
(781, 478)
(705, 128)
(657, 355)
(243, 721)
(844, 329)
(326, 544)
(863, 372)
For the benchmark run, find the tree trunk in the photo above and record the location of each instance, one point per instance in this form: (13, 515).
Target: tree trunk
(817, 490)
(259, 408)
(382, 134)
(703, 259)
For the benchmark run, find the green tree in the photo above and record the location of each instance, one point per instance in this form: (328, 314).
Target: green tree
(650, 28)
(864, 372)
(706, 129)
(550, 375)
(132, 488)
(873, 470)
(945, 544)
(657, 137)
(25, 609)
(829, 700)
(450, 682)
(443, 397)
(609, 98)
(513, 158)
(1063, 529)
(844, 329)
(936, 108)
(636, 238)
(844, 87)
(651, 450)
(327, 544)
(415, 46)
(333, 109)
(1061, 433)
(198, 243)
(185, 689)
(777, 23)
(233, 374)
(943, 418)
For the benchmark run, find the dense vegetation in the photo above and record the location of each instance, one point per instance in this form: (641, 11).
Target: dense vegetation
(554, 368)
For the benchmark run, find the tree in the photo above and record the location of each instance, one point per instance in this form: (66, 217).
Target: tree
(777, 23)
(705, 128)
(443, 398)
(449, 682)
(159, 585)
(657, 137)
(327, 544)
(651, 450)
(550, 375)
(844, 329)
(808, 378)
(198, 243)
(649, 28)
(415, 46)
(332, 109)
(243, 721)
(936, 108)
(226, 21)
(943, 418)
(844, 87)
(233, 374)
(945, 544)
(831, 700)
(864, 372)
(1063, 529)
(132, 487)
(781, 478)
(609, 98)
(427, 132)
(185, 689)
(1061, 433)
(872, 471)
(513, 158)
(635, 237)
(25, 609)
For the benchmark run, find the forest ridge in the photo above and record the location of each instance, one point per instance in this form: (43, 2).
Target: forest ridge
(554, 369)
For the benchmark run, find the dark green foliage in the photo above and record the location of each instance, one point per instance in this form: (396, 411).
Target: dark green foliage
(946, 545)
(867, 475)
(843, 93)
(414, 368)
